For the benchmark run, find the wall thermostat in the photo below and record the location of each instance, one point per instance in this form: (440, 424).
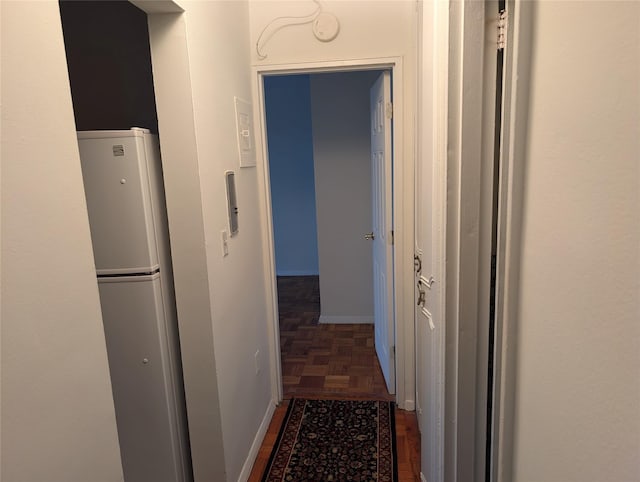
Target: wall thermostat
(326, 27)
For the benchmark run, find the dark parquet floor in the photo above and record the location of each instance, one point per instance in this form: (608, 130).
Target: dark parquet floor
(330, 361)
(322, 359)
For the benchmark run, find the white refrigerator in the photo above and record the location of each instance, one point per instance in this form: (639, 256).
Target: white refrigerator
(127, 215)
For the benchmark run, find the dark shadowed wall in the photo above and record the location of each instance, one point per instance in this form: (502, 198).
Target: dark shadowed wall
(109, 62)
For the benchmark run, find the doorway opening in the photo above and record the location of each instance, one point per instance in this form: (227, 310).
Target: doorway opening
(398, 227)
(320, 171)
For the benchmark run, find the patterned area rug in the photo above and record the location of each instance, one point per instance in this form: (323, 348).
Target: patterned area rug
(335, 440)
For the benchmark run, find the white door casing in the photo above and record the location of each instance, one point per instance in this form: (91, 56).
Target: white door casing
(382, 199)
(471, 139)
(403, 181)
(430, 240)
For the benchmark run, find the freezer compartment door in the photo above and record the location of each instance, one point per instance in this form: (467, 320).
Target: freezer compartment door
(143, 390)
(116, 184)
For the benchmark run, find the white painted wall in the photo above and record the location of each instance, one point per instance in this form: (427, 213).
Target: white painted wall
(342, 167)
(216, 34)
(577, 412)
(218, 46)
(58, 420)
(367, 28)
(174, 101)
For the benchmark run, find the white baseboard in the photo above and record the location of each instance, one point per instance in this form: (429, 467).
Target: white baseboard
(341, 320)
(257, 443)
(410, 405)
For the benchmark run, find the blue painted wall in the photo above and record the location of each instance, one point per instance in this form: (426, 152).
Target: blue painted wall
(293, 198)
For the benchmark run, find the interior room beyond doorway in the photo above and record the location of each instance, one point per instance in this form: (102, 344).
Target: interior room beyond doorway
(319, 143)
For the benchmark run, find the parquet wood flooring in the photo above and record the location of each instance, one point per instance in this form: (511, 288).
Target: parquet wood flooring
(330, 361)
(319, 359)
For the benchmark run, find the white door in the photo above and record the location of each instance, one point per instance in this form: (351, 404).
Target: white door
(382, 237)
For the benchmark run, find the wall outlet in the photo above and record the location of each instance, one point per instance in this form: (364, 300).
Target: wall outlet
(224, 236)
(257, 361)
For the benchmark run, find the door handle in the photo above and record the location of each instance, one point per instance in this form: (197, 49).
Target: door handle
(369, 236)
(417, 264)
(421, 295)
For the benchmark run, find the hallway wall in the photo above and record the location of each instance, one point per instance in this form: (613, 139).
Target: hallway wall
(109, 67)
(219, 69)
(342, 160)
(293, 195)
(368, 28)
(578, 365)
(58, 419)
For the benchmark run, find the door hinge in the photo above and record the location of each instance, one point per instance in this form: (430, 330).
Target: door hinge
(393, 350)
(388, 110)
(393, 238)
(502, 30)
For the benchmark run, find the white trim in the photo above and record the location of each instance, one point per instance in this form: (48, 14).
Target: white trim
(342, 320)
(517, 66)
(326, 66)
(403, 207)
(467, 248)
(257, 443)
(268, 243)
(437, 317)
(422, 477)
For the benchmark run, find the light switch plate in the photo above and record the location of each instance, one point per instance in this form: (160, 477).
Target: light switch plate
(244, 131)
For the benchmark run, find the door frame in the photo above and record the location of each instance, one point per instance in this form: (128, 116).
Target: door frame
(403, 212)
(471, 105)
(469, 24)
(515, 108)
(433, 154)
